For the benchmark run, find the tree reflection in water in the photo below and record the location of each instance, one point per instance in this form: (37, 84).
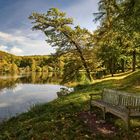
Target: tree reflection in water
(10, 82)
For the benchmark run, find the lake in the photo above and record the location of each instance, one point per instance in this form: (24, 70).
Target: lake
(19, 93)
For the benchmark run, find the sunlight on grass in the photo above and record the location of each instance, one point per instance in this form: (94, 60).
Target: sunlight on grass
(115, 77)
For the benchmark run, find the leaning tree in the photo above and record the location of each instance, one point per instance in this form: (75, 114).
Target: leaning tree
(61, 34)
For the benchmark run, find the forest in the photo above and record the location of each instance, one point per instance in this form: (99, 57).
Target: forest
(10, 63)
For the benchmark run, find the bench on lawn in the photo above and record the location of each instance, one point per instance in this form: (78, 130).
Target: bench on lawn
(121, 104)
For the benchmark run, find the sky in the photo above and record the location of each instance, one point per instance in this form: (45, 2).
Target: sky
(16, 35)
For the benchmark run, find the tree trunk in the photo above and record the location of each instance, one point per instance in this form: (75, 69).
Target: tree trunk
(134, 61)
(111, 67)
(81, 55)
(84, 62)
(122, 65)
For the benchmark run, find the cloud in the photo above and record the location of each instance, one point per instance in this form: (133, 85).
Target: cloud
(15, 50)
(25, 43)
(9, 37)
(3, 47)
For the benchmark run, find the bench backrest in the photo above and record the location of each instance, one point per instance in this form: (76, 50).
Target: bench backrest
(129, 100)
(110, 96)
(120, 98)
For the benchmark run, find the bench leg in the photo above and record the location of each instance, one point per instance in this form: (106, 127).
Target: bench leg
(128, 124)
(90, 107)
(104, 113)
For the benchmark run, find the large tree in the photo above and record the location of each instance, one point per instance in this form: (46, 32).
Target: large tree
(106, 37)
(62, 35)
(119, 28)
(129, 24)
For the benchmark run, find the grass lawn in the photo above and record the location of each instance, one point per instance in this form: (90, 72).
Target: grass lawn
(61, 120)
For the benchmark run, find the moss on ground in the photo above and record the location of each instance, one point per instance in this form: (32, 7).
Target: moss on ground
(58, 120)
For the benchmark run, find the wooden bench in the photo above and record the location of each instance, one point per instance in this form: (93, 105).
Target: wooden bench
(124, 105)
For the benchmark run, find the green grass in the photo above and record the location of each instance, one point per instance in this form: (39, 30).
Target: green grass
(58, 120)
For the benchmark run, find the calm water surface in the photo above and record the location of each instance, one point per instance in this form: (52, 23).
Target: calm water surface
(18, 94)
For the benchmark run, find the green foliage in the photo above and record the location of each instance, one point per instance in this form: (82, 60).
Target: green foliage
(50, 69)
(71, 71)
(38, 69)
(45, 69)
(117, 39)
(33, 66)
(11, 64)
(14, 68)
(27, 69)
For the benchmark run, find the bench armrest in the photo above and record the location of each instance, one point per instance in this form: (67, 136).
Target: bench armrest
(97, 94)
(94, 94)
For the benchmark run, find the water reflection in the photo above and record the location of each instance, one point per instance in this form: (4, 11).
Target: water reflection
(10, 81)
(18, 94)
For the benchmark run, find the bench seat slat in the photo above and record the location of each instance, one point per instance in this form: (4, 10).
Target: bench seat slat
(99, 103)
(118, 111)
